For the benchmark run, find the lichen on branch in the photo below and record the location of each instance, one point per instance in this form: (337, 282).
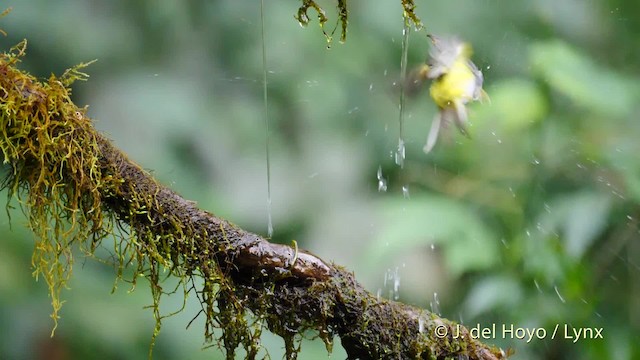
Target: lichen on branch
(76, 188)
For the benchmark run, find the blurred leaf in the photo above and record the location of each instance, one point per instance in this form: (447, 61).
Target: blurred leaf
(580, 217)
(578, 77)
(632, 181)
(425, 220)
(516, 103)
(622, 156)
(492, 292)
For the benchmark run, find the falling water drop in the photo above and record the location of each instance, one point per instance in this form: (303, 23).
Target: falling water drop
(558, 293)
(396, 285)
(400, 153)
(435, 304)
(382, 182)
(405, 191)
(537, 285)
(496, 136)
(266, 121)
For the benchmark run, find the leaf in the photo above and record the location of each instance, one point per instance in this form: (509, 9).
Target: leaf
(492, 292)
(580, 217)
(516, 103)
(427, 220)
(578, 77)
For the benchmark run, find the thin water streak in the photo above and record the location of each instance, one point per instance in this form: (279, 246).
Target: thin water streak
(266, 121)
(400, 151)
(382, 182)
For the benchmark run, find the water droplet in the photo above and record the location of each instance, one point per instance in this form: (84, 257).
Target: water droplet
(269, 218)
(400, 153)
(420, 325)
(382, 182)
(558, 293)
(371, 87)
(405, 191)
(353, 110)
(488, 67)
(435, 304)
(303, 20)
(270, 229)
(396, 286)
(433, 247)
(537, 285)
(535, 161)
(496, 136)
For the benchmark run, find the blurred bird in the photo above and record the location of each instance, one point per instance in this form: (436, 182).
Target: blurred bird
(456, 81)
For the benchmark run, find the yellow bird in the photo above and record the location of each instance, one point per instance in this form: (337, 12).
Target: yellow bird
(456, 82)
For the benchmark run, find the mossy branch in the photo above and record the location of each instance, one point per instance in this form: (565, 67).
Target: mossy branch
(77, 188)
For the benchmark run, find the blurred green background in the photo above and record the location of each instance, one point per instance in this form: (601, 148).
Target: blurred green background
(533, 223)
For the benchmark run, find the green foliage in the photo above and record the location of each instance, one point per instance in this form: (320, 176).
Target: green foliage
(426, 221)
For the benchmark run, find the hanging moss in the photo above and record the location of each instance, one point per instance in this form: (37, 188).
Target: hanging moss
(302, 16)
(74, 189)
(53, 161)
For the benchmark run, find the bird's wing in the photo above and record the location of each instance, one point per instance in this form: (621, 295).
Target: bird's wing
(433, 133)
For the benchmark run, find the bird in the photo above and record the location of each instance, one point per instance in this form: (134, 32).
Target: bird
(456, 81)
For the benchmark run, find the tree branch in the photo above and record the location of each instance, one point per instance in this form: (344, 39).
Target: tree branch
(77, 188)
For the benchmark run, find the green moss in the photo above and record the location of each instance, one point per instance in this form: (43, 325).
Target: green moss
(54, 168)
(76, 190)
(302, 16)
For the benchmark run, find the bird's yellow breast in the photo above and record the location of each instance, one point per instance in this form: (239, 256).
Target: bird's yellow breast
(456, 85)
